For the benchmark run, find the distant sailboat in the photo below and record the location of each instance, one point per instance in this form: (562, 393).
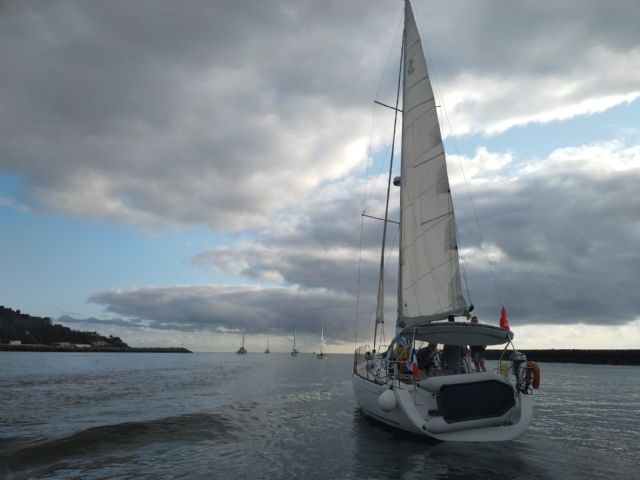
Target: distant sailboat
(294, 352)
(242, 350)
(267, 350)
(322, 355)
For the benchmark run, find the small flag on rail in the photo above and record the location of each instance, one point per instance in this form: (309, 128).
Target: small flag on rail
(504, 323)
(412, 364)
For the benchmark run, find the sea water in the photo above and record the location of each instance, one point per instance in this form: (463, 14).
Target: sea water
(102, 416)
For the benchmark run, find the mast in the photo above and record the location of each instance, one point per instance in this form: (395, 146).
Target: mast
(380, 302)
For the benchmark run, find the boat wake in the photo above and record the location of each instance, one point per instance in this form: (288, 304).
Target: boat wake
(20, 453)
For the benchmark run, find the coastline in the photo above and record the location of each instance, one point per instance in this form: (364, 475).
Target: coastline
(100, 349)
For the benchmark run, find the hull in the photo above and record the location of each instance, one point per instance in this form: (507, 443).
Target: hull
(414, 408)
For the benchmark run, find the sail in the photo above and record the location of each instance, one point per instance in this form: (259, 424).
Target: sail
(430, 286)
(322, 342)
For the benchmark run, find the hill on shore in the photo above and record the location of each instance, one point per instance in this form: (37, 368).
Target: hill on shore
(15, 325)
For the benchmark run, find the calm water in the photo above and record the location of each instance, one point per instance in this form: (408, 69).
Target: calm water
(98, 416)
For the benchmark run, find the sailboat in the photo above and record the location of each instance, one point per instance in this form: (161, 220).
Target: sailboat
(294, 352)
(429, 391)
(267, 350)
(322, 355)
(242, 350)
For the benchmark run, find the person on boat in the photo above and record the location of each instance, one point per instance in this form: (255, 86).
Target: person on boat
(452, 356)
(478, 352)
(466, 359)
(426, 357)
(401, 350)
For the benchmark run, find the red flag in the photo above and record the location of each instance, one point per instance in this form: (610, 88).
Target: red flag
(415, 371)
(412, 365)
(504, 323)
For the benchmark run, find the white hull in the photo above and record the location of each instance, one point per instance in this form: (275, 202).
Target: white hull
(413, 404)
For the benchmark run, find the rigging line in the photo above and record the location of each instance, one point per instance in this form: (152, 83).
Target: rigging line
(366, 198)
(393, 242)
(381, 219)
(380, 302)
(355, 330)
(373, 309)
(464, 176)
(364, 206)
(475, 213)
(372, 314)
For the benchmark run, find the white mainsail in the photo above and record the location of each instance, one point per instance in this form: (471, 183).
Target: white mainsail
(430, 286)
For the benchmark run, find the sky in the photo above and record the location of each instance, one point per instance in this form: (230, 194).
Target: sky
(175, 173)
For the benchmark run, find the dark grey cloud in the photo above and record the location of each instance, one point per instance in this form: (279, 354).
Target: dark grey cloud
(566, 236)
(222, 113)
(151, 113)
(224, 308)
(109, 322)
(569, 239)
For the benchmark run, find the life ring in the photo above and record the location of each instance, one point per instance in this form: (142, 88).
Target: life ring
(532, 374)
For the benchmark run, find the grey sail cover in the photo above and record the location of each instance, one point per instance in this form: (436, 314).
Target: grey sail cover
(430, 286)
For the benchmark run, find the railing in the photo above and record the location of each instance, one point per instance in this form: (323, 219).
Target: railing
(379, 369)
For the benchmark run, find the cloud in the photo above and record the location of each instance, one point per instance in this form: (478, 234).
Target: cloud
(565, 232)
(560, 235)
(248, 117)
(226, 113)
(166, 115)
(226, 309)
(109, 322)
(560, 239)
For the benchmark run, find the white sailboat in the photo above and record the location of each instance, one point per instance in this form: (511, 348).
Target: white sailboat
(437, 397)
(323, 354)
(242, 350)
(294, 352)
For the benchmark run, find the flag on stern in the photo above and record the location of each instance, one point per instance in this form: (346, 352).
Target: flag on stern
(504, 323)
(412, 364)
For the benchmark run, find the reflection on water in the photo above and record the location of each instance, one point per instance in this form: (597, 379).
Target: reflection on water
(219, 416)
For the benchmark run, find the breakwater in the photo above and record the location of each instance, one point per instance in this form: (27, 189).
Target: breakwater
(595, 357)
